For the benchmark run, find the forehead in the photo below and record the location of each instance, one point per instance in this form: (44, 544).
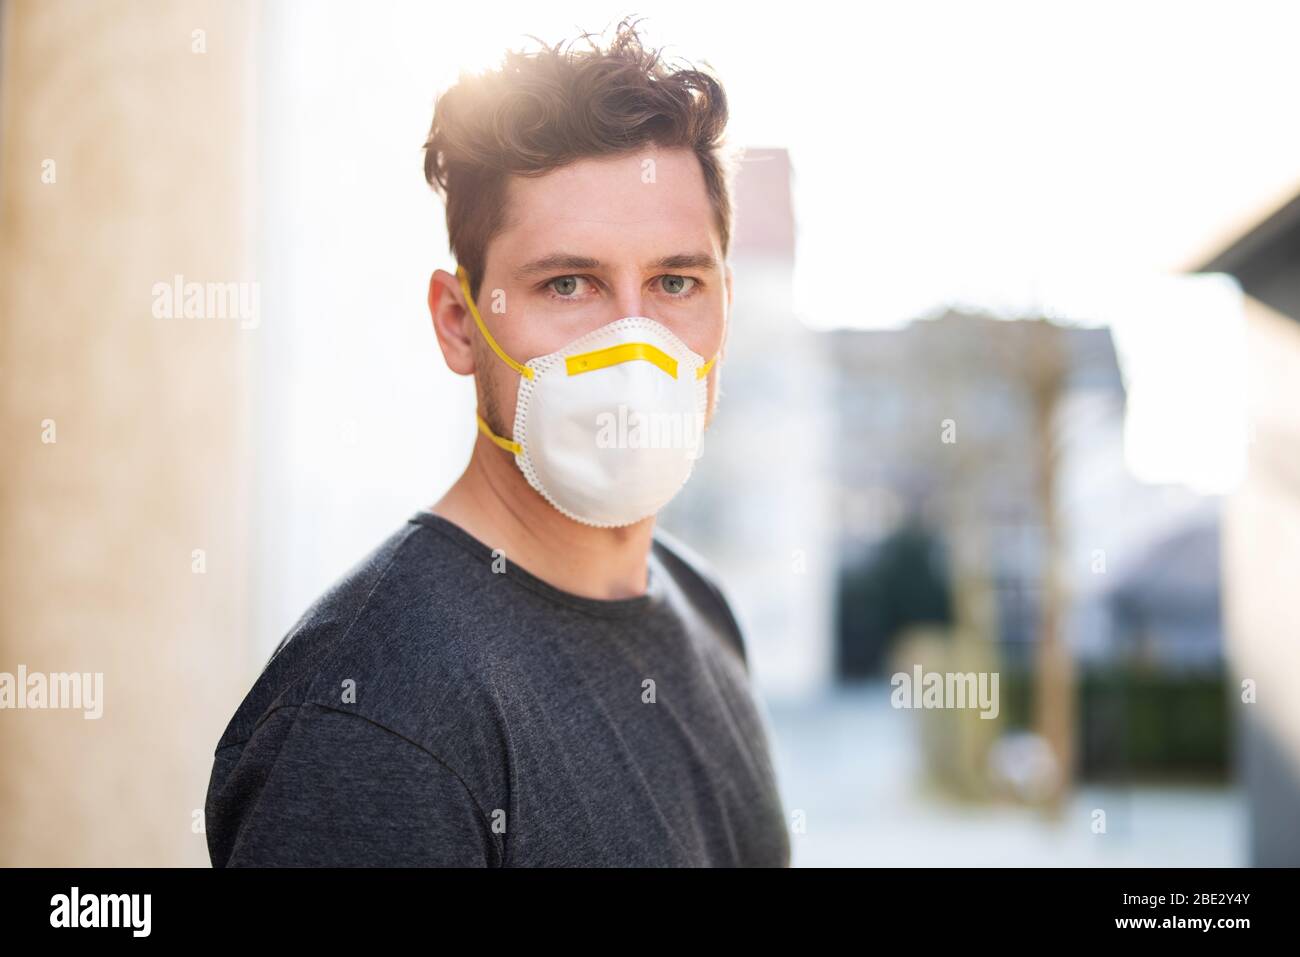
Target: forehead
(634, 203)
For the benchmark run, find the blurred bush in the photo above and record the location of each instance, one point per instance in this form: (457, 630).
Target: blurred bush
(1138, 723)
(903, 582)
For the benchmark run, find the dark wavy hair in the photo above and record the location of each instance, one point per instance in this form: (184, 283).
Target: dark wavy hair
(546, 108)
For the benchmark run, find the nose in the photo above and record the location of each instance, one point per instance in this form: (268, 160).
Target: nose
(629, 296)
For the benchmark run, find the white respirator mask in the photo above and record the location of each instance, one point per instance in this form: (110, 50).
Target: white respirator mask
(608, 427)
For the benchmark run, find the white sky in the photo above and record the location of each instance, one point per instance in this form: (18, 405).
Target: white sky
(970, 149)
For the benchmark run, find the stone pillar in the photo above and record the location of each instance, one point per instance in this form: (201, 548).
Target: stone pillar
(127, 161)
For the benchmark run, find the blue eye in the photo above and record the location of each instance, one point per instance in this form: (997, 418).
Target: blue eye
(676, 285)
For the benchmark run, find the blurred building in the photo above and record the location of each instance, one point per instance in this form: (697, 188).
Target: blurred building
(758, 505)
(1261, 544)
(952, 423)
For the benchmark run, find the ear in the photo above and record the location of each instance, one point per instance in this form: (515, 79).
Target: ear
(451, 322)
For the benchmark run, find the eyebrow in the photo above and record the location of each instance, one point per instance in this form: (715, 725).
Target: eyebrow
(556, 262)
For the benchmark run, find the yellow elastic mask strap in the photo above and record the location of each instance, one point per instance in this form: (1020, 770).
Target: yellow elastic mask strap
(506, 444)
(703, 370)
(523, 370)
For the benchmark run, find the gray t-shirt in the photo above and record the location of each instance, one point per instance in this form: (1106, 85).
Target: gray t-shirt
(440, 706)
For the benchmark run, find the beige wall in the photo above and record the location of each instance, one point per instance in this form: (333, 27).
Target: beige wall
(1261, 552)
(153, 152)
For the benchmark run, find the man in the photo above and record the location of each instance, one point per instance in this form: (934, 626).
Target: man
(529, 673)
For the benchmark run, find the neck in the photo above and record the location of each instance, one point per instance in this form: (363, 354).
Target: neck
(494, 502)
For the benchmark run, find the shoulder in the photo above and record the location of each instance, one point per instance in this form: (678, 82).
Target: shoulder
(383, 671)
(702, 582)
(338, 606)
(389, 627)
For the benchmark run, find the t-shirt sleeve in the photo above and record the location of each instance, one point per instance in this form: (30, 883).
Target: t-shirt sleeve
(343, 791)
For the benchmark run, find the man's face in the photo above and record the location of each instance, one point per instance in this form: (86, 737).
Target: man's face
(595, 241)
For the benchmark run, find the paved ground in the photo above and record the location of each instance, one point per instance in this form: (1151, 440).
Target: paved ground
(852, 764)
